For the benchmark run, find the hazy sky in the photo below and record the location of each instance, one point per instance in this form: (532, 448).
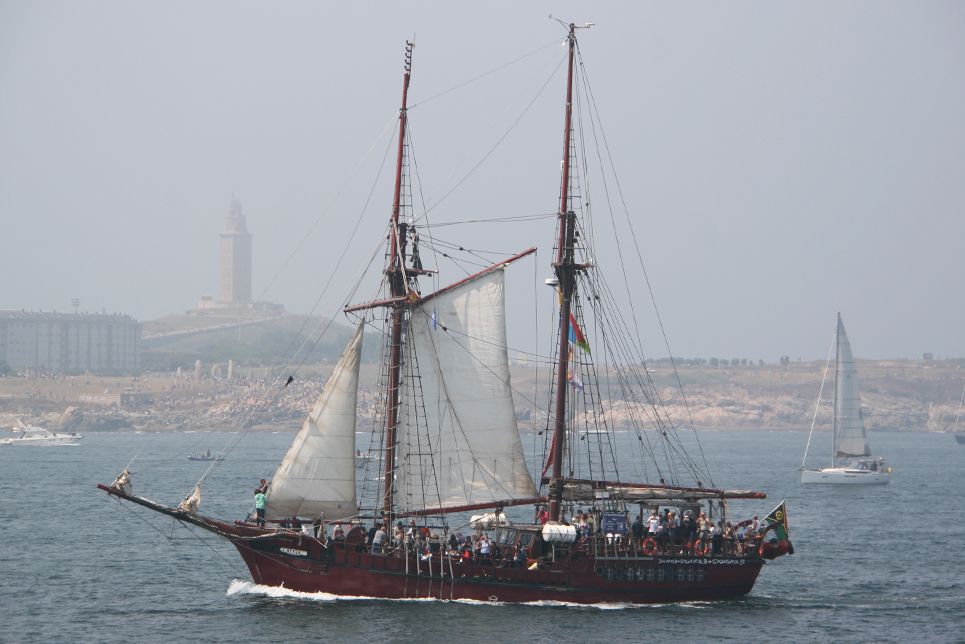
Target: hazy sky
(779, 161)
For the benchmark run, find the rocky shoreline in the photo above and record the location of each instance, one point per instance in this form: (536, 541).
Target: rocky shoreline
(903, 396)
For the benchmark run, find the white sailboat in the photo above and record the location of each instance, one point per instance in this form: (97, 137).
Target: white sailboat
(851, 460)
(959, 438)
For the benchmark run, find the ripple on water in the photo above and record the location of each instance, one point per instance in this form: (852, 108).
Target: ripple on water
(83, 570)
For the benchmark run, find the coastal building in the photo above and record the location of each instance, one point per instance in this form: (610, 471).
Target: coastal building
(70, 342)
(115, 399)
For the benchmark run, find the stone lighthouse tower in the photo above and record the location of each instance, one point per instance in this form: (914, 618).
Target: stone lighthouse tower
(236, 259)
(236, 300)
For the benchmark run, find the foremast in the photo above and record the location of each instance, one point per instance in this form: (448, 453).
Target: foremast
(565, 268)
(393, 499)
(398, 289)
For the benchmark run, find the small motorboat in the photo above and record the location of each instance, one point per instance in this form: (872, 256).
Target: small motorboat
(32, 435)
(205, 456)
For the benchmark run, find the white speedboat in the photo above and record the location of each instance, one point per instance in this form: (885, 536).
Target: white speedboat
(851, 461)
(32, 435)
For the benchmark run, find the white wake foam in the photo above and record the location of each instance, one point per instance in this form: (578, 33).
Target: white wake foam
(239, 587)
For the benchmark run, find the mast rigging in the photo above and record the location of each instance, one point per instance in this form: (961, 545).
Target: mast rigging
(450, 444)
(566, 275)
(398, 287)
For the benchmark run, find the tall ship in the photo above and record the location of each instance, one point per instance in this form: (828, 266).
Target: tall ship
(447, 457)
(851, 459)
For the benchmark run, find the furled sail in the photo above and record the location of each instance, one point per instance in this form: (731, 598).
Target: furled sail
(318, 473)
(849, 435)
(467, 450)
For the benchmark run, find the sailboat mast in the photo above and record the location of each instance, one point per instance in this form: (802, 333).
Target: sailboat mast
(837, 375)
(566, 275)
(395, 274)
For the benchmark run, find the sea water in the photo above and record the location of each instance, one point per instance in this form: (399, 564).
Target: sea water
(871, 563)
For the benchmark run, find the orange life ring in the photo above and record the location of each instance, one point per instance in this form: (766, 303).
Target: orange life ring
(700, 547)
(649, 546)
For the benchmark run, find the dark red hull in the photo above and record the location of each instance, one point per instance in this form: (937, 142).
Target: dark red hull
(585, 581)
(301, 563)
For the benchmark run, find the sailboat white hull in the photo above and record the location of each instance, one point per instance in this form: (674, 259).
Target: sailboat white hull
(845, 476)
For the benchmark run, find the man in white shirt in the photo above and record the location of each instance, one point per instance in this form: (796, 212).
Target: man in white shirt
(485, 548)
(652, 524)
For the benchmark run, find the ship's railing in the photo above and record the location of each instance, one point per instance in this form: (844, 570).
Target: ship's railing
(620, 546)
(425, 555)
(428, 550)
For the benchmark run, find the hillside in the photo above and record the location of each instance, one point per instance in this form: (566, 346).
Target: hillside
(179, 341)
(897, 395)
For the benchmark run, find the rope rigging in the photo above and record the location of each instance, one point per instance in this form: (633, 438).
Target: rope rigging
(639, 392)
(500, 140)
(248, 423)
(492, 71)
(597, 121)
(591, 417)
(261, 296)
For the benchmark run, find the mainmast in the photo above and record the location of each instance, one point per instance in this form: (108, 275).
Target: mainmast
(837, 375)
(398, 286)
(566, 275)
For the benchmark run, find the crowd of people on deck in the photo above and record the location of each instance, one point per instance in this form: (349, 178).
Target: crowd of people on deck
(660, 533)
(663, 533)
(672, 533)
(669, 533)
(421, 542)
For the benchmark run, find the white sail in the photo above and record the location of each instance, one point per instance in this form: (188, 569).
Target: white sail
(318, 473)
(468, 450)
(849, 435)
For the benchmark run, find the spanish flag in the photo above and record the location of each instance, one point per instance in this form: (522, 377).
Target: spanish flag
(779, 515)
(576, 335)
